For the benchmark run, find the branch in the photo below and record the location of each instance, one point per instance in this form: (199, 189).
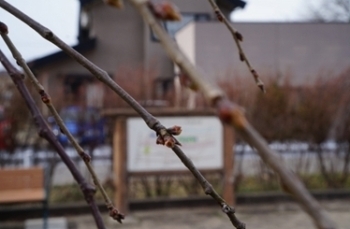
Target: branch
(46, 133)
(93, 69)
(238, 38)
(165, 136)
(232, 114)
(45, 97)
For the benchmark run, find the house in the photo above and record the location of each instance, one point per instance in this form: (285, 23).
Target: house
(114, 40)
(120, 42)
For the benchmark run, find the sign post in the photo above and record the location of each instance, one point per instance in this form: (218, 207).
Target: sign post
(207, 142)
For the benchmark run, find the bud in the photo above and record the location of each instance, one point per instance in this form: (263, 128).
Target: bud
(160, 140)
(219, 15)
(115, 3)
(165, 11)
(3, 28)
(239, 36)
(187, 82)
(170, 142)
(241, 56)
(175, 130)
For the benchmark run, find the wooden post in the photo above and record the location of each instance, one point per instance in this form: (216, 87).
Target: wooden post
(228, 192)
(120, 165)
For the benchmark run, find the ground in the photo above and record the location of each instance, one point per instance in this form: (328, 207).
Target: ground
(262, 216)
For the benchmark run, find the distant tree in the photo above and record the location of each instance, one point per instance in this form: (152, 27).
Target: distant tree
(331, 11)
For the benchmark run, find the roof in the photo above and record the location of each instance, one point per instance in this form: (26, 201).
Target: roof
(81, 47)
(231, 4)
(86, 2)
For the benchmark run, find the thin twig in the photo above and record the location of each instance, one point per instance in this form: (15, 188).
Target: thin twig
(150, 120)
(45, 97)
(100, 74)
(238, 38)
(46, 133)
(164, 135)
(232, 114)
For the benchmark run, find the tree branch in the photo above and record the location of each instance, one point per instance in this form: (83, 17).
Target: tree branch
(232, 114)
(45, 97)
(238, 38)
(46, 133)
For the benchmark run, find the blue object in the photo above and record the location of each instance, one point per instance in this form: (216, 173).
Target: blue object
(86, 125)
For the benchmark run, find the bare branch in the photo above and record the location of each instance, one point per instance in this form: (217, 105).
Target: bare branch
(46, 133)
(238, 38)
(94, 70)
(232, 114)
(45, 97)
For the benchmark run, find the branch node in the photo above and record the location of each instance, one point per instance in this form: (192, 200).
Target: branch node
(3, 28)
(175, 130)
(231, 114)
(45, 97)
(239, 36)
(208, 189)
(258, 81)
(219, 15)
(165, 136)
(164, 11)
(115, 214)
(86, 157)
(227, 209)
(48, 34)
(241, 57)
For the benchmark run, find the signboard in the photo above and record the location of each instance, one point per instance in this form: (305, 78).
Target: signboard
(201, 139)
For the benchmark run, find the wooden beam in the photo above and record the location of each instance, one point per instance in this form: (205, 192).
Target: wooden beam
(120, 165)
(228, 191)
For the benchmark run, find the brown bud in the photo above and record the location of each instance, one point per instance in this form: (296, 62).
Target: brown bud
(165, 11)
(262, 87)
(115, 214)
(86, 157)
(115, 3)
(241, 56)
(187, 82)
(255, 74)
(231, 114)
(45, 97)
(170, 142)
(160, 140)
(3, 28)
(219, 15)
(239, 36)
(175, 130)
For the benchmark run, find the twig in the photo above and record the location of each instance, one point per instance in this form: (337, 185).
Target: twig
(164, 135)
(208, 189)
(45, 97)
(46, 133)
(238, 38)
(232, 114)
(94, 70)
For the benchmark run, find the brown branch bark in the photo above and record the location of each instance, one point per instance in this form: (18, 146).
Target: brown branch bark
(164, 135)
(238, 38)
(46, 133)
(45, 97)
(228, 112)
(232, 114)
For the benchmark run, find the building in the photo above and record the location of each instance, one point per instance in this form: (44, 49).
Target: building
(119, 41)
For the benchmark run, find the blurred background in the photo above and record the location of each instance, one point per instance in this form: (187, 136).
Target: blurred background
(300, 49)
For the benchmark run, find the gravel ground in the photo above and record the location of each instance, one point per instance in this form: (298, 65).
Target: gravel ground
(266, 216)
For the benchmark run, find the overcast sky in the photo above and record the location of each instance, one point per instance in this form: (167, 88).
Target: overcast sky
(61, 16)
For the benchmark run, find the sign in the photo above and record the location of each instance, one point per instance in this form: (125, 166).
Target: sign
(201, 139)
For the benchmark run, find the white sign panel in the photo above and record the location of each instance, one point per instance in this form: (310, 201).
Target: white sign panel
(201, 139)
